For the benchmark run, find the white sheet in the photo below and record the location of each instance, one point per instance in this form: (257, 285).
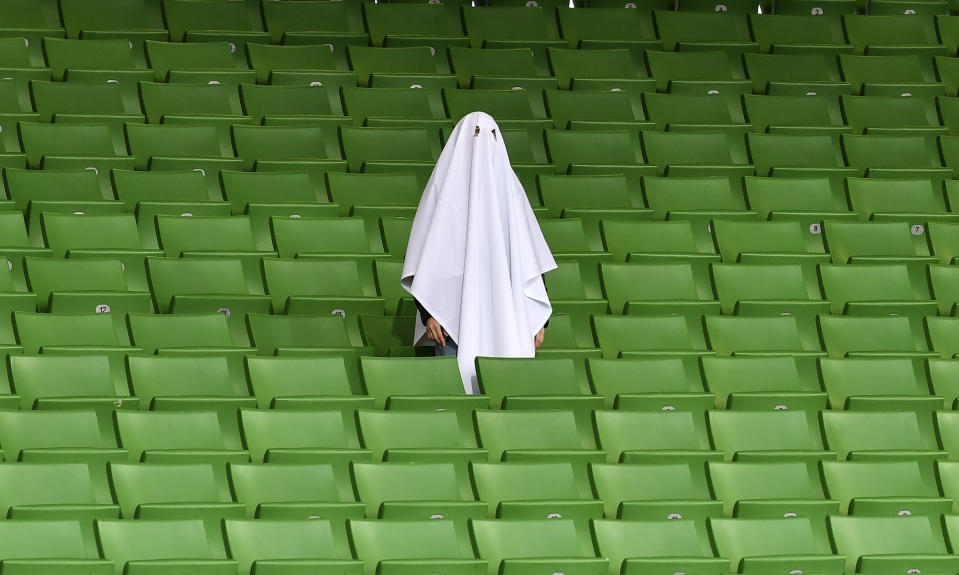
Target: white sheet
(476, 254)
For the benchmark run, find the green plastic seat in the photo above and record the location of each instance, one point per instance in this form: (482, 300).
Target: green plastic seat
(178, 437)
(793, 114)
(776, 435)
(641, 546)
(161, 101)
(649, 491)
(670, 241)
(874, 242)
(536, 490)
(85, 286)
(46, 490)
(570, 65)
(880, 435)
(791, 68)
(769, 289)
(782, 242)
(416, 490)
(710, 68)
(731, 335)
(893, 156)
(772, 489)
(693, 27)
(44, 143)
(270, 333)
(649, 334)
(687, 111)
(940, 374)
(43, 545)
(653, 437)
(535, 383)
(103, 15)
(515, 435)
(944, 421)
(943, 239)
(942, 335)
(367, 61)
(946, 472)
(649, 384)
(294, 491)
(286, 545)
(286, 436)
(244, 188)
(189, 22)
(303, 383)
(286, 21)
(588, 109)
(395, 106)
(36, 331)
(76, 103)
(265, 59)
(174, 491)
(390, 147)
(763, 382)
(915, 201)
(755, 544)
(853, 290)
(895, 68)
(349, 190)
(144, 546)
(510, 24)
(62, 437)
(285, 143)
(107, 54)
(311, 104)
(427, 383)
(650, 295)
(544, 544)
(866, 336)
(323, 286)
(808, 200)
(598, 152)
(43, 383)
(186, 382)
(889, 543)
(154, 332)
(788, 154)
(16, 246)
(387, 546)
(603, 25)
(206, 285)
(149, 142)
(880, 30)
(943, 283)
(471, 64)
(878, 115)
(718, 153)
(421, 437)
(889, 488)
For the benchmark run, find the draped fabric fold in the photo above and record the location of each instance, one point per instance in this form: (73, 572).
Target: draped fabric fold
(476, 254)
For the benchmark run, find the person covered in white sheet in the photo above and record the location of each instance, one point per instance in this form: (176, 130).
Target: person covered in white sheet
(476, 256)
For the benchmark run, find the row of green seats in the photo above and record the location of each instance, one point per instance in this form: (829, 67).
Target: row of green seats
(614, 65)
(405, 490)
(208, 379)
(613, 147)
(403, 494)
(506, 546)
(512, 435)
(899, 112)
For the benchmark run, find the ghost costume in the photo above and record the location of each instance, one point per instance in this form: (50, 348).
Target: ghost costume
(476, 254)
